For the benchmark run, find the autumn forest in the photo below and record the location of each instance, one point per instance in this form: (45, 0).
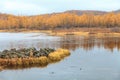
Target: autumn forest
(63, 20)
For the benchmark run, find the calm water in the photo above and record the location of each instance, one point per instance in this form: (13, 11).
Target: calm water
(91, 58)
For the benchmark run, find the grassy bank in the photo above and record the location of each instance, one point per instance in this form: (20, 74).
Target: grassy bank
(99, 32)
(52, 57)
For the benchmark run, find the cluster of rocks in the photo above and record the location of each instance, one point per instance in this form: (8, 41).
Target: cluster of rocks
(25, 53)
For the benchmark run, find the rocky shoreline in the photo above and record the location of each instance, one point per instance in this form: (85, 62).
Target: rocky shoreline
(25, 53)
(31, 56)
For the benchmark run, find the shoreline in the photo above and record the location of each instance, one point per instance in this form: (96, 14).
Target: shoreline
(98, 32)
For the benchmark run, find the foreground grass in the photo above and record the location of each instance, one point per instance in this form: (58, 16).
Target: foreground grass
(30, 61)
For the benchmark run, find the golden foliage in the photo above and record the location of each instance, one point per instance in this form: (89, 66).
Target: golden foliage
(64, 20)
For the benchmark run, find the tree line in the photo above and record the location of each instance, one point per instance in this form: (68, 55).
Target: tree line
(63, 20)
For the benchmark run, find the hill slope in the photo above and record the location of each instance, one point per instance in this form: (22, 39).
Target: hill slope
(117, 11)
(80, 12)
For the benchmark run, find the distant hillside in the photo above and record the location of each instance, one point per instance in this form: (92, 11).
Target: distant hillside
(77, 12)
(117, 11)
(4, 16)
(80, 12)
(63, 20)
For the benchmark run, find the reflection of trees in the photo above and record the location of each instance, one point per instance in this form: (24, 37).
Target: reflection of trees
(73, 42)
(118, 45)
(69, 46)
(69, 42)
(111, 43)
(107, 42)
(87, 43)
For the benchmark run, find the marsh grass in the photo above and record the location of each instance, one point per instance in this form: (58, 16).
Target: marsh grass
(55, 56)
(58, 55)
(1, 68)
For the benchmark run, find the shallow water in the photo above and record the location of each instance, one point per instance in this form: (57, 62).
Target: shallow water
(91, 58)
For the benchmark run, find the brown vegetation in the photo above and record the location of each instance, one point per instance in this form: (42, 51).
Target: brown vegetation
(41, 61)
(58, 55)
(59, 21)
(1, 68)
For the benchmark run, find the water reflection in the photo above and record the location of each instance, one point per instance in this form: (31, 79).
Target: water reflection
(88, 43)
(69, 42)
(91, 54)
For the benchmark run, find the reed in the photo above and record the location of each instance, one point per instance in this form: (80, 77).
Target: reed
(58, 54)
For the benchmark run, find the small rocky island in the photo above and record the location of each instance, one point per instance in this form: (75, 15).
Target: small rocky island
(31, 56)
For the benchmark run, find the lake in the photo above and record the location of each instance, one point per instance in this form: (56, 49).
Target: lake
(92, 58)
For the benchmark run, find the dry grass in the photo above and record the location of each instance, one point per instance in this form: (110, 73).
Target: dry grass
(58, 54)
(1, 68)
(43, 60)
(81, 33)
(27, 31)
(24, 61)
(99, 32)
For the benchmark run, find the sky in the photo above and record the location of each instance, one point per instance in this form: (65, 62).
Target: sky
(35, 7)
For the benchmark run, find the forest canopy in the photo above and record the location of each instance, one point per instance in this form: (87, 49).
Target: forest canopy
(63, 20)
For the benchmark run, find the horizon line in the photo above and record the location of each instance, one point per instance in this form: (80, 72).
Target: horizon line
(20, 14)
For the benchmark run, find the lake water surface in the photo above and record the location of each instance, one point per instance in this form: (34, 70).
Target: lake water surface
(91, 58)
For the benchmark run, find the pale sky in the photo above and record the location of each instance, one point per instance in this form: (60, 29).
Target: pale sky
(34, 7)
